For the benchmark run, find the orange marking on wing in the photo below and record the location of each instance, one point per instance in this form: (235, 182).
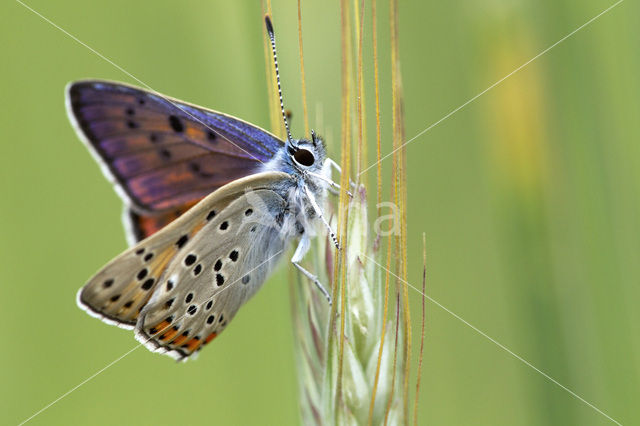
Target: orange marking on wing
(193, 344)
(150, 224)
(179, 339)
(169, 334)
(160, 328)
(210, 337)
(197, 228)
(194, 132)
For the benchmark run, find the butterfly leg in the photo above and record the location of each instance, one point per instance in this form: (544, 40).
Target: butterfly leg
(334, 188)
(329, 163)
(301, 250)
(318, 211)
(333, 164)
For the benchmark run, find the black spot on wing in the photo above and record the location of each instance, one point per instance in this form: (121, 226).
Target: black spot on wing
(219, 279)
(197, 270)
(218, 265)
(143, 273)
(165, 154)
(196, 169)
(148, 284)
(182, 241)
(190, 259)
(176, 124)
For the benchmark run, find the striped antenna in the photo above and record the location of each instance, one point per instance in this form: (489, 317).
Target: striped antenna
(272, 36)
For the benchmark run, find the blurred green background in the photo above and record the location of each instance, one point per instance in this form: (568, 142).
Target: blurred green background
(529, 197)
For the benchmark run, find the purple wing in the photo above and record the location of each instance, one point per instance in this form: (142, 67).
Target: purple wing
(163, 153)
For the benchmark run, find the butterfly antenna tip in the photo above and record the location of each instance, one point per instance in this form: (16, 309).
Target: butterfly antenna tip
(272, 37)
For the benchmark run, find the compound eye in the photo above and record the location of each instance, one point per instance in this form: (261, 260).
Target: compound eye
(304, 157)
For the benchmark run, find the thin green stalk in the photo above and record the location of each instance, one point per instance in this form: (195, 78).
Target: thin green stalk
(352, 366)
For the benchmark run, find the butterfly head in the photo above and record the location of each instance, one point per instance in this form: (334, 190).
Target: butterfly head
(306, 155)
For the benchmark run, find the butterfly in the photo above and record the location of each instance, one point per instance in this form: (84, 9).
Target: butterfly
(211, 204)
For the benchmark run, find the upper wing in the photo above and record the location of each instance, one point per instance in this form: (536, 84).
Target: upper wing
(120, 290)
(160, 152)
